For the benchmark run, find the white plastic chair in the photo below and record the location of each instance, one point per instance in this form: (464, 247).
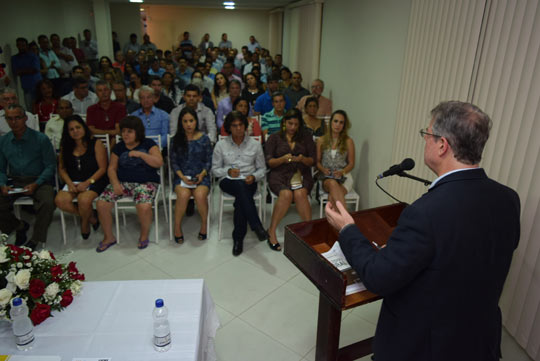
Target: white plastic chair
(128, 202)
(350, 198)
(172, 196)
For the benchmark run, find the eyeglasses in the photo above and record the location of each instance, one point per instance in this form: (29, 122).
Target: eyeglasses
(18, 117)
(423, 132)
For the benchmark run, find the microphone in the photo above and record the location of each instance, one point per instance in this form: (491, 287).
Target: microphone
(406, 164)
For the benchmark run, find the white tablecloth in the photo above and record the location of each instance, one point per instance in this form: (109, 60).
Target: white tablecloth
(114, 319)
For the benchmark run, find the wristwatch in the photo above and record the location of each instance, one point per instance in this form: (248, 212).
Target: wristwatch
(92, 181)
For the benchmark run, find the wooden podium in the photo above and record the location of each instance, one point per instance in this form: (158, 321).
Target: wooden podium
(304, 243)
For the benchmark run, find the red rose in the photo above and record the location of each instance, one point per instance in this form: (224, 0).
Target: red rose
(72, 267)
(56, 271)
(67, 298)
(40, 313)
(36, 288)
(52, 255)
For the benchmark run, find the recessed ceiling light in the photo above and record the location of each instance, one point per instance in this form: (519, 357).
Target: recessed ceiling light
(141, 9)
(228, 3)
(229, 7)
(135, 1)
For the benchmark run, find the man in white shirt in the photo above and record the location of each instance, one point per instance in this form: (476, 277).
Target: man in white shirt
(55, 125)
(8, 97)
(81, 98)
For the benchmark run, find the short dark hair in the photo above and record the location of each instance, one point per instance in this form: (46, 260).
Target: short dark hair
(311, 100)
(132, 35)
(277, 94)
(273, 77)
(135, 123)
(238, 100)
(21, 39)
(42, 36)
(154, 77)
(466, 128)
(231, 117)
(79, 80)
(234, 81)
(193, 88)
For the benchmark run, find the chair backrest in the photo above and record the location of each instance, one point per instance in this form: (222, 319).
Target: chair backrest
(169, 162)
(105, 139)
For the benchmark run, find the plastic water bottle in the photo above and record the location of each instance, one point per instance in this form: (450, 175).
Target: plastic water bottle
(23, 329)
(162, 331)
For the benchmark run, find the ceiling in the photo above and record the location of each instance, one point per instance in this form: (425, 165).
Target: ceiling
(240, 4)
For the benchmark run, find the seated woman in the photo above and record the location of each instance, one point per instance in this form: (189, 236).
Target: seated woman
(106, 66)
(290, 154)
(221, 89)
(254, 128)
(170, 89)
(82, 165)
(191, 159)
(335, 158)
(313, 124)
(253, 88)
(132, 172)
(238, 161)
(46, 104)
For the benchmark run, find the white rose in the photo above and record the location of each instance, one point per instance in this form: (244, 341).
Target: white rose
(76, 287)
(51, 291)
(44, 254)
(22, 279)
(5, 296)
(3, 257)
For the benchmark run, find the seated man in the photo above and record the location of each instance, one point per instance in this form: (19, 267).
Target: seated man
(30, 158)
(238, 161)
(161, 101)
(105, 116)
(55, 125)
(81, 98)
(325, 104)
(8, 97)
(271, 121)
(263, 104)
(225, 106)
(120, 93)
(296, 91)
(155, 69)
(155, 121)
(207, 120)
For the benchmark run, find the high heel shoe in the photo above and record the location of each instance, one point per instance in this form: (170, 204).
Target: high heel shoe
(85, 235)
(179, 240)
(95, 226)
(274, 246)
(202, 236)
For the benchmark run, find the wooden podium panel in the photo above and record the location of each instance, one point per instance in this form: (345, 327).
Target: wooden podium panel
(304, 243)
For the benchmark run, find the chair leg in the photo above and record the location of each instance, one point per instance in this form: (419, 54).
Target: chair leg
(156, 222)
(171, 220)
(220, 216)
(208, 217)
(117, 222)
(164, 206)
(63, 223)
(321, 202)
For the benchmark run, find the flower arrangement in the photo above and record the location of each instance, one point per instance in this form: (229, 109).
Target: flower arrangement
(38, 278)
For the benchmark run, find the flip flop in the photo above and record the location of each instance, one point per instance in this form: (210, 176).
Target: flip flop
(100, 248)
(143, 244)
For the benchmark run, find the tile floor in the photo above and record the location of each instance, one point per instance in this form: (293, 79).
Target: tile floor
(267, 308)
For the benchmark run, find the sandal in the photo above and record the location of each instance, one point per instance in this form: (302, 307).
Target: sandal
(143, 244)
(179, 240)
(202, 236)
(274, 246)
(102, 247)
(95, 226)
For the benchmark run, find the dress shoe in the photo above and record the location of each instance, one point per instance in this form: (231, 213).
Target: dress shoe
(238, 247)
(261, 233)
(20, 238)
(31, 244)
(190, 210)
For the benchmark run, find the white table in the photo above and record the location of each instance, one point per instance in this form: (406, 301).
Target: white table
(114, 319)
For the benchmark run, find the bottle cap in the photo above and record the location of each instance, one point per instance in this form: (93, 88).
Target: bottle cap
(17, 302)
(159, 302)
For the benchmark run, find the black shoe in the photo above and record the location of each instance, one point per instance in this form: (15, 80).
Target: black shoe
(268, 198)
(31, 244)
(85, 235)
(274, 246)
(190, 208)
(95, 226)
(20, 238)
(261, 233)
(238, 247)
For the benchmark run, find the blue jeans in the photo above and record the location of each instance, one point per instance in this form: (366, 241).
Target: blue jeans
(245, 210)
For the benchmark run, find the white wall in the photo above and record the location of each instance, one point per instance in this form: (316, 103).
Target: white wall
(362, 53)
(166, 24)
(126, 19)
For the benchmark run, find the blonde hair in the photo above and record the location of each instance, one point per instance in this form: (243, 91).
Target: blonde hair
(343, 136)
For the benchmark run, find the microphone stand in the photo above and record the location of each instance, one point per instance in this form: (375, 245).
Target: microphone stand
(403, 174)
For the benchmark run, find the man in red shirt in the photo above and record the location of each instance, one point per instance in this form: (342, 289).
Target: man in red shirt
(104, 117)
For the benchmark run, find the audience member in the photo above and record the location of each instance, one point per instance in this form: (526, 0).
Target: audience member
(238, 162)
(295, 91)
(186, 45)
(224, 43)
(290, 154)
(52, 64)
(155, 69)
(272, 121)
(72, 44)
(120, 61)
(135, 84)
(221, 89)
(184, 72)
(80, 97)
(8, 97)
(82, 166)
(161, 101)
(90, 49)
(264, 103)
(106, 66)
(191, 160)
(325, 104)
(154, 120)
(285, 81)
(87, 73)
(46, 103)
(30, 158)
(278, 61)
(116, 43)
(253, 129)
(132, 45)
(104, 117)
(206, 98)
(314, 124)
(206, 120)
(335, 158)
(205, 43)
(120, 93)
(170, 89)
(253, 89)
(227, 70)
(226, 105)
(132, 172)
(55, 125)
(253, 44)
(147, 45)
(65, 56)
(26, 65)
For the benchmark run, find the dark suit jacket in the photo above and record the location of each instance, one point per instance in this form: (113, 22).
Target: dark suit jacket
(442, 272)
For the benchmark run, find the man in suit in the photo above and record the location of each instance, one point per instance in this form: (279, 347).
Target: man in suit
(442, 271)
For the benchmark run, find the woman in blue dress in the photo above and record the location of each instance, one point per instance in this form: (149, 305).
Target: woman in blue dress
(191, 159)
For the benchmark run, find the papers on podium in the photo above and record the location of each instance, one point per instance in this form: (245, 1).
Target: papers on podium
(337, 258)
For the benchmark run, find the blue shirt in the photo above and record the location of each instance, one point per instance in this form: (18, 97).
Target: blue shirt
(159, 73)
(27, 61)
(263, 104)
(50, 59)
(133, 169)
(155, 123)
(33, 155)
(185, 76)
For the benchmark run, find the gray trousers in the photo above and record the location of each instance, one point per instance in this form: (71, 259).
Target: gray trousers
(43, 205)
